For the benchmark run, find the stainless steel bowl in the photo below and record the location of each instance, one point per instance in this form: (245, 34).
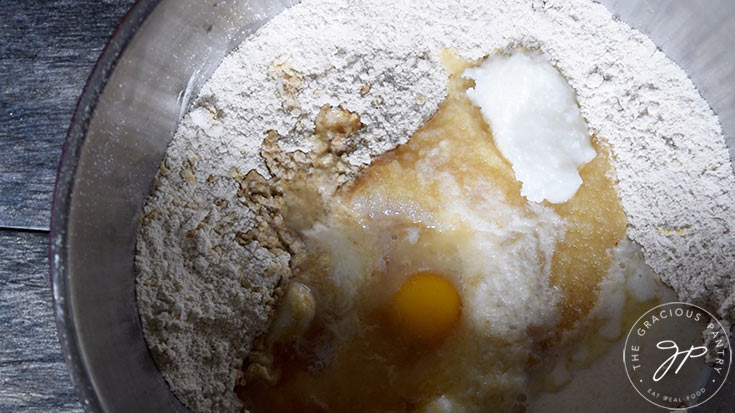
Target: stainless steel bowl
(158, 58)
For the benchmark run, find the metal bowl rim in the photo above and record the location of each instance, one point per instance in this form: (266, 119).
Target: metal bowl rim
(61, 200)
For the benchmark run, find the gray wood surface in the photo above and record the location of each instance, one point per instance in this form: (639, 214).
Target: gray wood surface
(47, 50)
(33, 375)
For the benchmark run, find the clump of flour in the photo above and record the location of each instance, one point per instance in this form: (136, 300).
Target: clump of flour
(205, 292)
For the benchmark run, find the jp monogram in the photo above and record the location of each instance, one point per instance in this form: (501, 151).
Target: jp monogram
(677, 355)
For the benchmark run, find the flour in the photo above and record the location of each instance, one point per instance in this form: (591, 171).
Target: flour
(205, 292)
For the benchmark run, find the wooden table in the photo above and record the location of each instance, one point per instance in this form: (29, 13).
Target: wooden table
(47, 50)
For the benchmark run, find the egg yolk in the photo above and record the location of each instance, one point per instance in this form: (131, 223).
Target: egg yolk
(425, 308)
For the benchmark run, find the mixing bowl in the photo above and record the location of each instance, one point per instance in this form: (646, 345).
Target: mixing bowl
(158, 58)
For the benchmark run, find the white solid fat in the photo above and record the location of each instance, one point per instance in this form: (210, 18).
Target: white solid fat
(536, 123)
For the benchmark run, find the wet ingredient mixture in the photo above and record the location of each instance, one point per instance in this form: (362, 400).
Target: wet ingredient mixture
(236, 255)
(437, 282)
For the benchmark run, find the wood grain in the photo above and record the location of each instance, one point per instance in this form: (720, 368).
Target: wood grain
(33, 376)
(47, 50)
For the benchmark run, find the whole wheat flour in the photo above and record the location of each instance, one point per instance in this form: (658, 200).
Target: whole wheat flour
(206, 286)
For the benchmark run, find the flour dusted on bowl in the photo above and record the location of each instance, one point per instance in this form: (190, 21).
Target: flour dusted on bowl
(207, 287)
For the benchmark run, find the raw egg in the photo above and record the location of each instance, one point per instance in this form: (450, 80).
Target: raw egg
(425, 308)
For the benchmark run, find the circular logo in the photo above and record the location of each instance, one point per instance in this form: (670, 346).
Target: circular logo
(677, 355)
